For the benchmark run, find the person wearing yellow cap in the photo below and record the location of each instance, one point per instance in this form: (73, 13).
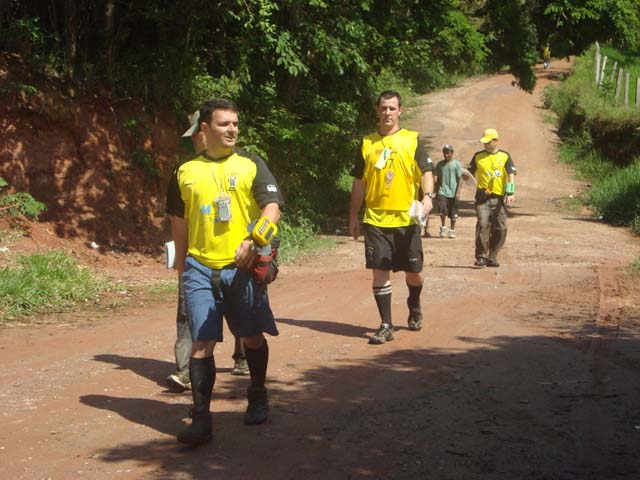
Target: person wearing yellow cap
(495, 175)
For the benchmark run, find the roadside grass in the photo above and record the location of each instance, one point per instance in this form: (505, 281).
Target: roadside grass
(163, 287)
(571, 203)
(615, 191)
(616, 197)
(9, 235)
(299, 239)
(46, 283)
(594, 128)
(636, 265)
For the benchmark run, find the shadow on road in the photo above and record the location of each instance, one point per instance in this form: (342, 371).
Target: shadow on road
(161, 416)
(475, 411)
(149, 368)
(334, 328)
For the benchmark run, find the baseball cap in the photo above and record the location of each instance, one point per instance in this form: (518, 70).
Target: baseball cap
(194, 120)
(489, 134)
(448, 148)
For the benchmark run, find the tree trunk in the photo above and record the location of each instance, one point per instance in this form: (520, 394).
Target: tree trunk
(71, 37)
(109, 14)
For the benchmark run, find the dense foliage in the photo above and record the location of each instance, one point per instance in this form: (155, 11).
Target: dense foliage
(303, 72)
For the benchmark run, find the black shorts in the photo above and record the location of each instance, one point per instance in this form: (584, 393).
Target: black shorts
(396, 248)
(448, 206)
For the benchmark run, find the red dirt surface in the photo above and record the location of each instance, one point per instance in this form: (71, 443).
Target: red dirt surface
(530, 370)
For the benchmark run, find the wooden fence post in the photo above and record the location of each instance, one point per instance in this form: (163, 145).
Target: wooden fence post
(613, 72)
(619, 83)
(626, 90)
(597, 63)
(604, 64)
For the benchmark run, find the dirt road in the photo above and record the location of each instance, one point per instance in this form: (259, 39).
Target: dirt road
(531, 370)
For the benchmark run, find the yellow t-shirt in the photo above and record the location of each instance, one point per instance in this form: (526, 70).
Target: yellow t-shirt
(491, 171)
(196, 184)
(391, 167)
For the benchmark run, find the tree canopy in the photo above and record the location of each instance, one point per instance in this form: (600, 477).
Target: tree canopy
(304, 73)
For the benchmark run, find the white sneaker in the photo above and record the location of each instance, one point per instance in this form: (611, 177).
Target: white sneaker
(443, 231)
(178, 383)
(452, 234)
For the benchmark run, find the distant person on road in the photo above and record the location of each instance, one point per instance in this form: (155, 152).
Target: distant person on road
(448, 175)
(179, 381)
(495, 175)
(390, 167)
(223, 204)
(546, 56)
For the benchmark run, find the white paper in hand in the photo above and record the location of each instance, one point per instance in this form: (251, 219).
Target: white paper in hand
(416, 213)
(169, 254)
(468, 179)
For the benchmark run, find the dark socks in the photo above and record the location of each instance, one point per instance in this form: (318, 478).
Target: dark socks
(382, 296)
(238, 350)
(258, 359)
(414, 296)
(202, 372)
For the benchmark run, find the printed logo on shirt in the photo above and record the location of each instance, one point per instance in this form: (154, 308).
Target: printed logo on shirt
(233, 180)
(272, 188)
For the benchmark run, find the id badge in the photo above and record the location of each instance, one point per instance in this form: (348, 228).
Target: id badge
(382, 159)
(223, 208)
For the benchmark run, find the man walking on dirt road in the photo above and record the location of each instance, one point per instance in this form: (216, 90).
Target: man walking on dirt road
(224, 203)
(390, 166)
(495, 175)
(179, 381)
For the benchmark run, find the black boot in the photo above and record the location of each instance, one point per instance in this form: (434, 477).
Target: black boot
(415, 319)
(258, 408)
(203, 375)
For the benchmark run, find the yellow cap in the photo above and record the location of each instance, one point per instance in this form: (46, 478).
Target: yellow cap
(489, 134)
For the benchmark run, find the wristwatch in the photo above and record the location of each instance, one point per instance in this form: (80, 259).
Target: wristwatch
(430, 195)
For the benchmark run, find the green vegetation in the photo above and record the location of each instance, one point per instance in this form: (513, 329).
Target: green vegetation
(601, 139)
(163, 287)
(138, 131)
(50, 282)
(19, 203)
(299, 239)
(304, 73)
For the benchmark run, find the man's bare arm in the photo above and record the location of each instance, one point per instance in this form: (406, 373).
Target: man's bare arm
(357, 196)
(180, 234)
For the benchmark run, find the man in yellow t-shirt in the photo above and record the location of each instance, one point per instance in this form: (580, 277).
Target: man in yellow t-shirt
(214, 199)
(495, 175)
(389, 168)
(195, 141)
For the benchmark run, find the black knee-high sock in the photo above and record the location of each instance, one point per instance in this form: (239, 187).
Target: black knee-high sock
(382, 296)
(414, 296)
(238, 350)
(202, 373)
(258, 359)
